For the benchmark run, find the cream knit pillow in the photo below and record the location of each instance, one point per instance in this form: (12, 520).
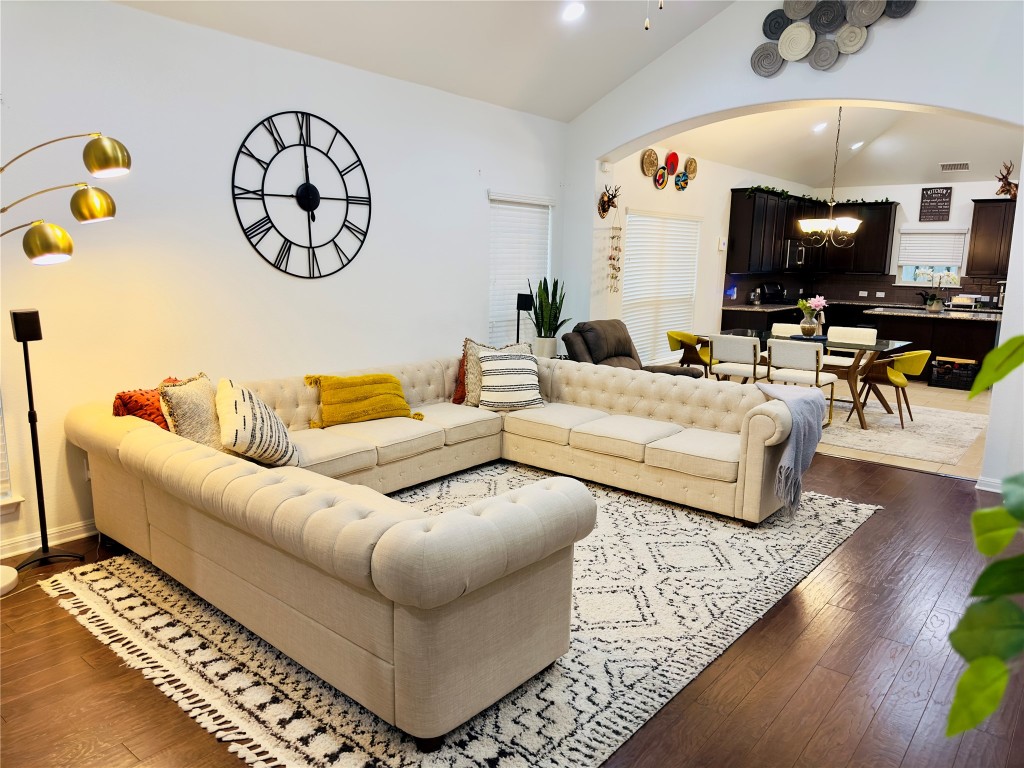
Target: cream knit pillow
(250, 428)
(190, 410)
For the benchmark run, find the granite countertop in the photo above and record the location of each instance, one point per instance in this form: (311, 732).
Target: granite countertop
(913, 309)
(946, 314)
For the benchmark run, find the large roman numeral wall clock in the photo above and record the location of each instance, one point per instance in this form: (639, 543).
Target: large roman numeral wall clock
(301, 194)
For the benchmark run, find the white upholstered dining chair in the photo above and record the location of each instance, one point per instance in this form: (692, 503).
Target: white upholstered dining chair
(786, 329)
(737, 356)
(799, 362)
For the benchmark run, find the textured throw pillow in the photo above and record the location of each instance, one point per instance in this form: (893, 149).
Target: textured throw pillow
(250, 428)
(459, 397)
(347, 399)
(472, 352)
(144, 403)
(191, 411)
(508, 381)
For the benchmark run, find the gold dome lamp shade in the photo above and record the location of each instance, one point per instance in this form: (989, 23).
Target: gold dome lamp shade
(91, 204)
(46, 243)
(106, 158)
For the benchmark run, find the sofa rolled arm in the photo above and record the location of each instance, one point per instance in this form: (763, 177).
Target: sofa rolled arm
(771, 419)
(94, 428)
(429, 562)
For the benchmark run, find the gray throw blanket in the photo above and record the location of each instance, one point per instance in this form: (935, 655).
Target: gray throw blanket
(807, 406)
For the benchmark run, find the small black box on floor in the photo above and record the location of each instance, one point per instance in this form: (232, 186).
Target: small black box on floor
(953, 372)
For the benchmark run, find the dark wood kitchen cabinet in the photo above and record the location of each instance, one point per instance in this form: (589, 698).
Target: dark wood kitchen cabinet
(871, 252)
(991, 229)
(756, 218)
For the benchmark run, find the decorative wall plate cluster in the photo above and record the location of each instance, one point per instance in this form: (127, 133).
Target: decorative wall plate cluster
(660, 174)
(818, 32)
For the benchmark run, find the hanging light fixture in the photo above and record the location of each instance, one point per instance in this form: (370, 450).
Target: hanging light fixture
(837, 232)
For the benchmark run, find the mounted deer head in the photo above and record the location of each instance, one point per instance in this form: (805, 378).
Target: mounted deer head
(1006, 187)
(607, 201)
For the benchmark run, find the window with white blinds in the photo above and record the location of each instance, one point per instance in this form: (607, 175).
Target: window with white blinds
(939, 249)
(520, 252)
(659, 280)
(5, 469)
(923, 255)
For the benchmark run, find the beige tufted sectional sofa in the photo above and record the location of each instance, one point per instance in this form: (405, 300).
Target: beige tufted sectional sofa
(424, 620)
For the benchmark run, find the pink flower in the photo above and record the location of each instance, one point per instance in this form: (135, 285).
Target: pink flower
(817, 303)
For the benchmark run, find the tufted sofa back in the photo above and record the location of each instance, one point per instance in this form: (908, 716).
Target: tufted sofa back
(427, 381)
(679, 399)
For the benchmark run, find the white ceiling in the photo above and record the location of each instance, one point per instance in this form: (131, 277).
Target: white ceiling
(521, 55)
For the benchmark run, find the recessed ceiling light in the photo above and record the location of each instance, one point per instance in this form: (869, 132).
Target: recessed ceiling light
(572, 11)
(820, 127)
(858, 145)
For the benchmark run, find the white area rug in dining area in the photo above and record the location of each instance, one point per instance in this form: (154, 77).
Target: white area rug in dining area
(934, 434)
(659, 592)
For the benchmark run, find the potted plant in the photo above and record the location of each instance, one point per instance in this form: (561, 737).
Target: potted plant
(811, 324)
(547, 314)
(933, 302)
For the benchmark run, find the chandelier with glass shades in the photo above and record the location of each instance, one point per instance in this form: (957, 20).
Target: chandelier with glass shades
(837, 232)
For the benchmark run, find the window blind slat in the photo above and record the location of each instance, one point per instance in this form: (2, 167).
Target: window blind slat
(659, 280)
(941, 249)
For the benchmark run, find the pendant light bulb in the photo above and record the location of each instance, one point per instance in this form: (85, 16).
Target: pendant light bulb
(647, 23)
(661, 5)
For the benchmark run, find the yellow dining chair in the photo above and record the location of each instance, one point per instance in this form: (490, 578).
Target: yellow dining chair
(893, 371)
(695, 349)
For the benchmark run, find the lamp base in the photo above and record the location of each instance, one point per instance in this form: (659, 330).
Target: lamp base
(45, 555)
(8, 579)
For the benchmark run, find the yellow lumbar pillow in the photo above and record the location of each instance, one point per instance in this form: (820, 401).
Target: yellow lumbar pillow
(347, 399)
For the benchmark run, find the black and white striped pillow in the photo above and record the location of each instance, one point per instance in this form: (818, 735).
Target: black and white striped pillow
(250, 428)
(508, 380)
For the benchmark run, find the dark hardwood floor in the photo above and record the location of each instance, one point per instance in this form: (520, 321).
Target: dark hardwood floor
(851, 668)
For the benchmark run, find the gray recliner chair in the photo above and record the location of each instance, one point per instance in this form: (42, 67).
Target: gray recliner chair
(607, 342)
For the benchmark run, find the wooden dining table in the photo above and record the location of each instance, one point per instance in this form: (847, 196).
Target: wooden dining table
(864, 356)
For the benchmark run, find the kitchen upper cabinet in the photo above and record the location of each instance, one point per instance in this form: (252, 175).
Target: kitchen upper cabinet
(991, 228)
(756, 221)
(871, 252)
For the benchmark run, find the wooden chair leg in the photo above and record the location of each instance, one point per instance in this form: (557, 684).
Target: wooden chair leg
(899, 405)
(906, 401)
(859, 396)
(831, 403)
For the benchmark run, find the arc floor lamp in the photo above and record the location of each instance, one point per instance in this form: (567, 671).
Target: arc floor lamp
(45, 243)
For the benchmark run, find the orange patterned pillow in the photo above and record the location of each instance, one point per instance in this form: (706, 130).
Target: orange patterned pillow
(460, 383)
(144, 403)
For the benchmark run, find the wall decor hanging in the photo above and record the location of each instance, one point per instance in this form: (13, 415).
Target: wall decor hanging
(1006, 187)
(671, 162)
(682, 181)
(661, 177)
(607, 200)
(691, 167)
(818, 33)
(935, 202)
(648, 162)
(301, 194)
(614, 258)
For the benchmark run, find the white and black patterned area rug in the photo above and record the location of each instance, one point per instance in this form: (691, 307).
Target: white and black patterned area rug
(659, 592)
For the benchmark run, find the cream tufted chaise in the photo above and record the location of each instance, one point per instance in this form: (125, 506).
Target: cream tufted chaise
(424, 620)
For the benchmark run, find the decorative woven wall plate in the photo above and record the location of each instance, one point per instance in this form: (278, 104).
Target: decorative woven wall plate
(775, 23)
(827, 17)
(661, 177)
(797, 41)
(863, 13)
(851, 39)
(798, 9)
(824, 54)
(648, 162)
(691, 167)
(766, 59)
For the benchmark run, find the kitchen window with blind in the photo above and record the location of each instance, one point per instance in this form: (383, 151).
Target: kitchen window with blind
(520, 251)
(659, 280)
(923, 256)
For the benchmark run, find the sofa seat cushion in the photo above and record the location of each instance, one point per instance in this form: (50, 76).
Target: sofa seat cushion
(396, 438)
(700, 452)
(461, 423)
(624, 436)
(552, 423)
(328, 453)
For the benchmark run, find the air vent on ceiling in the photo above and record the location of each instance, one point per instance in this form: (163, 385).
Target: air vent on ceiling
(947, 167)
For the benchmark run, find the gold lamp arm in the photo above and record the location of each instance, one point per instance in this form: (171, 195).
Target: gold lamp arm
(79, 184)
(20, 226)
(46, 144)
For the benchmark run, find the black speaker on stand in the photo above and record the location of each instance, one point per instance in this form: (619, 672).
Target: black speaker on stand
(26, 329)
(524, 303)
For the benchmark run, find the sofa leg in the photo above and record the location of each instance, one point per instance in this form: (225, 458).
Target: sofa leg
(748, 524)
(429, 745)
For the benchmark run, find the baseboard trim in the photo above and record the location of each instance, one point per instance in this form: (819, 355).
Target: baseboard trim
(30, 542)
(989, 484)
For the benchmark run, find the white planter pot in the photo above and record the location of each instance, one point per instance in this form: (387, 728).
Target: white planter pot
(545, 346)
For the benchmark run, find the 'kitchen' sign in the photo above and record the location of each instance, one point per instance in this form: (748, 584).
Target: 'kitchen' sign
(935, 203)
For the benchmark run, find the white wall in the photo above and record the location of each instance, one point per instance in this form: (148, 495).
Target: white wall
(708, 198)
(941, 56)
(171, 286)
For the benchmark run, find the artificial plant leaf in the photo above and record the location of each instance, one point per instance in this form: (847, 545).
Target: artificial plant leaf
(993, 529)
(978, 694)
(998, 363)
(1013, 495)
(990, 628)
(1003, 577)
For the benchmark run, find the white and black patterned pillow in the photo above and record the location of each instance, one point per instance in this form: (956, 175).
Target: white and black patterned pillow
(250, 428)
(508, 380)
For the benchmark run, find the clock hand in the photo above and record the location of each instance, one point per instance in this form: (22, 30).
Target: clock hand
(305, 160)
(309, 224)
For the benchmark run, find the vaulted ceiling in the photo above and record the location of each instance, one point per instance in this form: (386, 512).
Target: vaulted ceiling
(523, 56)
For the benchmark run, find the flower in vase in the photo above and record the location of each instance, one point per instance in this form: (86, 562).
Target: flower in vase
(811, 307)
(936, 280)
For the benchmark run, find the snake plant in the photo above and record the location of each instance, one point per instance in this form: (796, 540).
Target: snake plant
(547, 308)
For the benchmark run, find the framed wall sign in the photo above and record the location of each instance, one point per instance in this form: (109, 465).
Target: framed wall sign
(935, 203)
